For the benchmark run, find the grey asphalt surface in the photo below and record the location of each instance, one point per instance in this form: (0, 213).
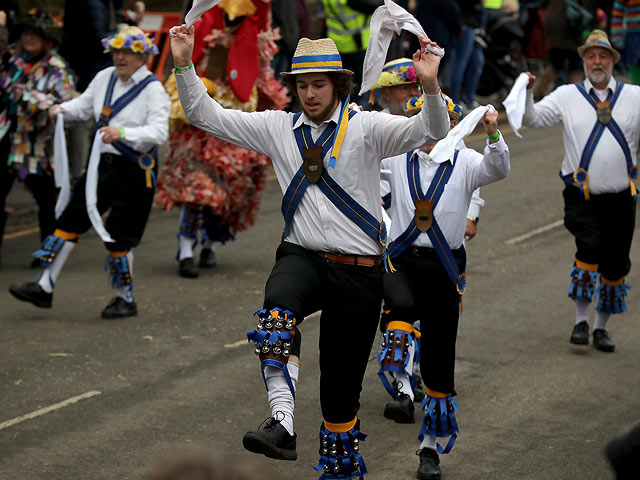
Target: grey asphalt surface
(532, 405)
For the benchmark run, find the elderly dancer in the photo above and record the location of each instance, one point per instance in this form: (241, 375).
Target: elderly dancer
(429, 205)
(326, 159)
(131, 109)
(600, 128)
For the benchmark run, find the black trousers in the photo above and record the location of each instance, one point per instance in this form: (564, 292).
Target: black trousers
(603, 229)
(121, 188)
(349, 298)
(42, 188)
(420, 289)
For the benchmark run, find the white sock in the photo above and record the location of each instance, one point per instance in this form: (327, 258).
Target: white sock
(208, 244)
(186, 248)
(404, 384)
(127, 292)
(582, 312)
(601, 320)
(429, 442)
(279, 395)
(50, 275)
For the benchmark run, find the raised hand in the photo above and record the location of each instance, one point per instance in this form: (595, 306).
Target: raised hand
(490, 122)
(182, 44)
(532, 80)
(426, 66)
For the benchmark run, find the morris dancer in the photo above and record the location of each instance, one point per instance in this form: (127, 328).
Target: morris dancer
(327, 161)
(428, 211)
(131, 109)
(600, 128)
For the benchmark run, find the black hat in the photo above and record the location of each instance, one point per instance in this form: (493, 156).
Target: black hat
(42, 23)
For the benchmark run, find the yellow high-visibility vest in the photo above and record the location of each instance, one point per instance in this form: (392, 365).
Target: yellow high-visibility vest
(346, 26)
(496, 4)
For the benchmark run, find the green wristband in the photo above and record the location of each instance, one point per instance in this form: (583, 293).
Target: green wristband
(181, 70)
(121, 132)
(495, 137)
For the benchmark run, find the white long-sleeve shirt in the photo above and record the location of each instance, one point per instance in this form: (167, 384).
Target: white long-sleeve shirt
(608, 171)
(145, 120)
(472, 170)
(318, 224)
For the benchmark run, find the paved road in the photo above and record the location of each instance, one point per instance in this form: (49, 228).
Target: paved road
(532, 405)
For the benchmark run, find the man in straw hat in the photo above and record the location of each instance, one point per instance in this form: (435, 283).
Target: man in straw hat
(327, 161)
(600, 126)
(131, 109)
(429, 204)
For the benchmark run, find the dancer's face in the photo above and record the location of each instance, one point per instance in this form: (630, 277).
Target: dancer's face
(396, 96)
(126, 62)
(317, 96)
(598, 66)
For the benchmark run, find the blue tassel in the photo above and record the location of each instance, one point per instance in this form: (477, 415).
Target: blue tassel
(49, 249)
(440, 421)
(398, 352)
(118, 271)
(612, 298)
(583, 284)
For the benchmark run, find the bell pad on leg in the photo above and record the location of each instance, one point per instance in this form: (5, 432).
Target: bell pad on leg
(583, 282)
(393, 355)
(612, 297)
(273, 338)
(340, 456)
(50, 248)
(440, 420)
(119, 271)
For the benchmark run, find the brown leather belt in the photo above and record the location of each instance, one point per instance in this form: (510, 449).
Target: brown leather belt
(359, 260)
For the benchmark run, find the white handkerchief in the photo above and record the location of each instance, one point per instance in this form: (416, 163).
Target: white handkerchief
(446, 147)
(386, 20)
(197, 10)
(91, 190)
(61, 166)
(516, 102)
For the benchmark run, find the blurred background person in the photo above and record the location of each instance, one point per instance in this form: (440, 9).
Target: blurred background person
(625, 35)
(32, 78)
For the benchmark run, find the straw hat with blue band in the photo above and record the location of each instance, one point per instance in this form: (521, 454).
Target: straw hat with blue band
(395, 72)
(322, 56)
(598, 38)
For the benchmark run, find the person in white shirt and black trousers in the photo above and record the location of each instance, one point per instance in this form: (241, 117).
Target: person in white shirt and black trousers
(601, 128)
(428, 211)
(131, 109)
(327, 162)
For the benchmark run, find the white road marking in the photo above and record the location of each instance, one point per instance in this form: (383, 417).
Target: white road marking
(50, 408)
(533, 233)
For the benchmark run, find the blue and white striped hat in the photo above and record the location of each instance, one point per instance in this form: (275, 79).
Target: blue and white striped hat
(316, 56)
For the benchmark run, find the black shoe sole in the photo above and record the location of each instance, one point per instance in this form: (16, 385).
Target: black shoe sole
(605, 348)
(184, 274)
(435, 476)
(26, 298)
(112, 316)
(398, 415)
(579, 341)
(258, 444)
(202, 264)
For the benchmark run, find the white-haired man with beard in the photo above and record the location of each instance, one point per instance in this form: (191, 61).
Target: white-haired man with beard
(601, 128)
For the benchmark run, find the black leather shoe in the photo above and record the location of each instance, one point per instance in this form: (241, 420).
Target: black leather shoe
(580, 334)
(207, 258)
(418, 389)
(188, 269)
(429, 468)
(602, 341)
(272, 441)
(401, 409)
(33, 293)
(118, 307)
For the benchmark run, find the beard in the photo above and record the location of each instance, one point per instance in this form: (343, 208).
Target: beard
(598, 76)
(322, 115)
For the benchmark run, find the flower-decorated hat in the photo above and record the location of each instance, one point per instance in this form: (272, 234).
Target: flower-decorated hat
(598, 38)
(395, 72)
(130, 38)
(414, 105)
(316, 56)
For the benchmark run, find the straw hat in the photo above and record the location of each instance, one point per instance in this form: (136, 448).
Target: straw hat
(316, 56)
(598, 38)
(130, 38)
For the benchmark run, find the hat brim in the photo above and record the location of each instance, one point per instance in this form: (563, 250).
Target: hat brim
(583, 48)
(53, 36)
(342, 71)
